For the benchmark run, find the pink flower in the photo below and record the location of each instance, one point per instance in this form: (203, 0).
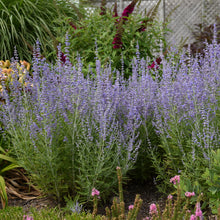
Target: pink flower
(155, 64)
(169, 197)
(95, 192)
(118, 168)
(175, 179)
(130, 207)
(146, 218)
(198, 210)
(153, 209)
(152, 65)
(26, 217)
(192, 217)
(189, 194)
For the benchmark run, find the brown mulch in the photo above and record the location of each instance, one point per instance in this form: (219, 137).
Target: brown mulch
(148, 193)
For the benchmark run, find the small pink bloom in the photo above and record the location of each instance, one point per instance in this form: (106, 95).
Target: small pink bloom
(118, 168)
(192, 217)
(152, 65)
(198, 210)
(153, 209)
(95, 192)
(26, 217)
(155, 64)
(189, 194)
(146, 218)
(169, 197)
(175, 179)
(130, 207)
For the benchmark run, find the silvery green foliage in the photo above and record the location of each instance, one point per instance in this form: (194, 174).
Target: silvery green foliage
(70, 132)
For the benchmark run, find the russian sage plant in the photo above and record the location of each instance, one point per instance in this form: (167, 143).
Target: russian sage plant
(185, 115)
(65, 129)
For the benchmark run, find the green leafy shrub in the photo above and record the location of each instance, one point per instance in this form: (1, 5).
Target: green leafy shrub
(111, 38)
(212, 179)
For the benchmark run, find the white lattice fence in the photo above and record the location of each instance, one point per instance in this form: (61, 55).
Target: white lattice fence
(187, 14)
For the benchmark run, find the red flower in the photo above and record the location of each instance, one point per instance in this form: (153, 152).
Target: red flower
(158, 60)
(153, 65)
(103, 8)
(115, 10)
(63, 57)
(128, 10)
(71, 24)
(117, 41)
(143, 26)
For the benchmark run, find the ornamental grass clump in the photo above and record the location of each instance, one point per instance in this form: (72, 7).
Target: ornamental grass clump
(24, 21)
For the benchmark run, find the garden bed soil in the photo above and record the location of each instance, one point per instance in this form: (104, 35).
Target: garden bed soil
(148, 192)
(28, 197)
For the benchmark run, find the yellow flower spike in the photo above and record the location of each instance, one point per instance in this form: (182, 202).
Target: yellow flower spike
(7, 64)
(7, 71)
(28, 83)
(28, 66)
(18, 66)
(25, 64)
(1, 89)
(21, 78)
(2, 63)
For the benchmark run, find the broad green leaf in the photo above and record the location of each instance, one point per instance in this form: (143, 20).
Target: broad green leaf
(7, 158)
(3, 193)
(9, 167)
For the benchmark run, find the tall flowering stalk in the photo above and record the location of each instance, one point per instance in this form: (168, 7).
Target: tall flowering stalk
(128, 10)
(115, 9)
(119, 174)
(117, 41)
(103, 7)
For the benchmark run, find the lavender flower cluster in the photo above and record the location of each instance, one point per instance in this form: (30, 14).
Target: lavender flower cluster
(105, 114)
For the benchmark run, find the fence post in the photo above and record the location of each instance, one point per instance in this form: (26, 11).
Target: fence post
(121, 6)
